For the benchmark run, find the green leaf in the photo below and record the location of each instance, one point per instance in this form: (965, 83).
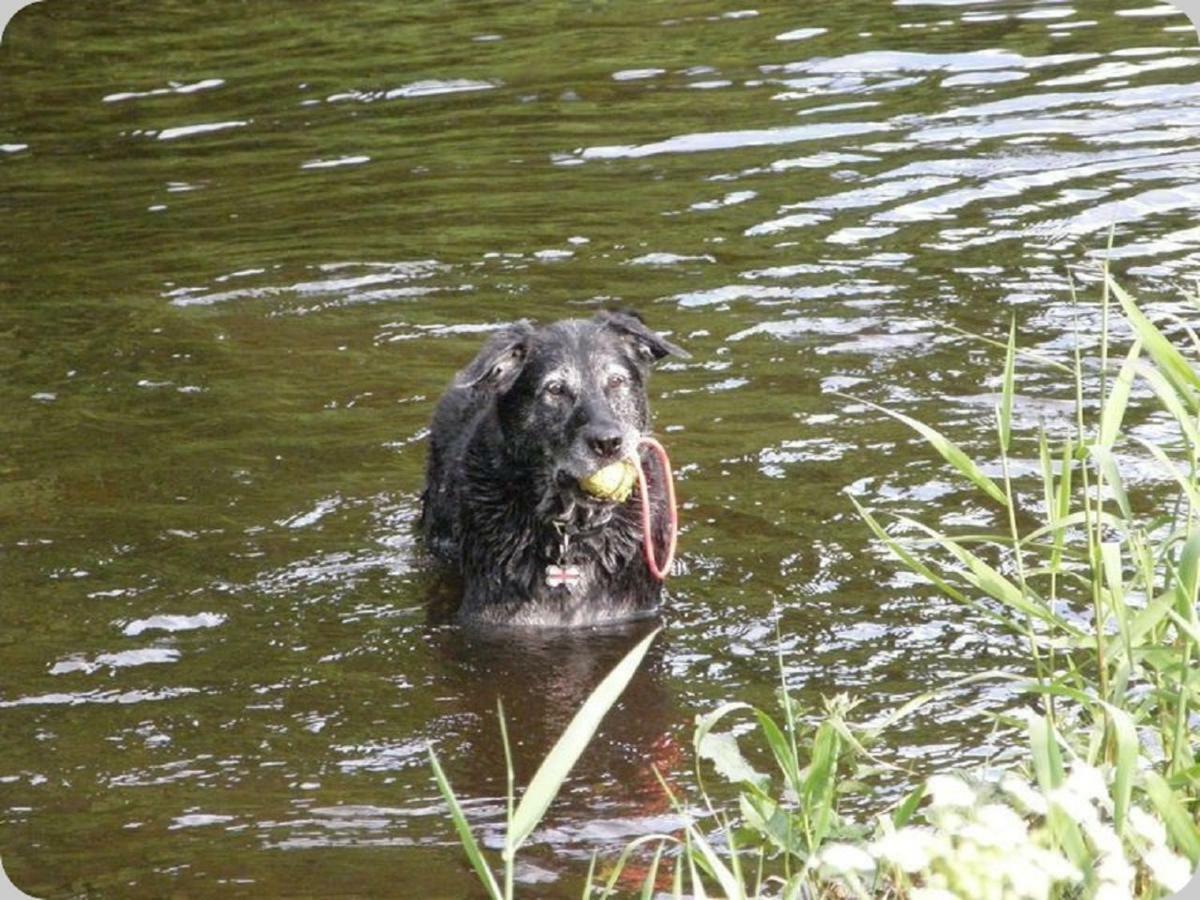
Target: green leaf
(1112, 477)
(721, 749)
(1149, 617)
(715, 865)
(991, 582)
(1047, 464)
(1169, 360)
(1110, 560)
(1168, 397)
(781, 748)
(763, 815)
(1127, 751)
(907, 558)
(591, 874)
(1187, 780)
(1186, 484)
(1064, 498)
(1030, 355)
(648, 885)
(1179, 824)
(1006, 393)
(947, 448)
(1048, 767)
(551, 774)
(904, 812)
(623, 861)
(1113, 413)
(819, 784)
(1186, 628)
(689, 855)
(474, 854)
(1047, 761)
(1188, 575)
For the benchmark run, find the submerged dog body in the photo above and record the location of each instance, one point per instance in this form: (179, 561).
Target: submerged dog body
(537, 411)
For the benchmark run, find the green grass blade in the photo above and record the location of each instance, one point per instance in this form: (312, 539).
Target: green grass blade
(995, 585)
(1170, 361)
(509, 800)
(1006, 393)
(819, 785)
(1110, 561)
(1112, 477)
(1030, 355)
(689, 856)
(907, 558)
(591, 874)
(708, 721)
(1185, 483)
(949, 451)
(1126, 742)
(1168, 397)
(551, 774)
(1180, 825)
(904, 812)
(1065, 476)
(469, 845)
(1186, 629)
(781, 748)
(1047, 761)
(649, 883)
(1147, 619)
(1189, 575)
(714, 865)
(1113, 413)
(1071, 521)
(623, 860)
(1048, 768)
(1047, 469)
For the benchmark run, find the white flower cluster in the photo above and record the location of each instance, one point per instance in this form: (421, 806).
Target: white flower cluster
(983, 841)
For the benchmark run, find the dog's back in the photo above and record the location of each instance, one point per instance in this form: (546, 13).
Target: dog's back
(454, 422)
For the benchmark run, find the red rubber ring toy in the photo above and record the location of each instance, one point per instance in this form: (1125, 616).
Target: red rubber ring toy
(659, 571)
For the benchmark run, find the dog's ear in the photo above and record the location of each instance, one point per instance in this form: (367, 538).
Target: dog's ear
(648, 345)
(500, 361)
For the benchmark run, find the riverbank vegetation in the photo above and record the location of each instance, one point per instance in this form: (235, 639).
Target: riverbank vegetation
(1095, 569)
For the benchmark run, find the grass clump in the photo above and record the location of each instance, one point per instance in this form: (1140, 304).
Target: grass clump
(1101, 589)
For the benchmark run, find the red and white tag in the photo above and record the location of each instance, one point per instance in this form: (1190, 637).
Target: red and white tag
(562, 576)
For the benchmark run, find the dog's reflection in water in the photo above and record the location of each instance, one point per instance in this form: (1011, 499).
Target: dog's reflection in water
(542, 677)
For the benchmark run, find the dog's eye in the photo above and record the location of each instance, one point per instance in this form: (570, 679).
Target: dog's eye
(617, 380)
(556, 388)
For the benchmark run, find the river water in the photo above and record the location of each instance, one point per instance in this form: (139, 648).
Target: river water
(245, 247)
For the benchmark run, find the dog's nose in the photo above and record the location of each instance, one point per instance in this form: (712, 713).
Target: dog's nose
(605, 444)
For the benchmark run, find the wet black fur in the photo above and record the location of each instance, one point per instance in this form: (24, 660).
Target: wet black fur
(535, 411)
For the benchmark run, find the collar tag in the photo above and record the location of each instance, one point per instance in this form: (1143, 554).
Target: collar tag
(562, 576)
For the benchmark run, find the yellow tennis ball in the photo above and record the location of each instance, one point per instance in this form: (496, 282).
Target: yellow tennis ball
(613, 482)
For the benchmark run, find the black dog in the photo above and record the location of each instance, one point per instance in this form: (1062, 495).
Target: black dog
(536, 411)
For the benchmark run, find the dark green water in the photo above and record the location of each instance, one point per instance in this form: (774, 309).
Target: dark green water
(244, 247)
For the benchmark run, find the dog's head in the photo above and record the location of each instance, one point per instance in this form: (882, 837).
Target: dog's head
(570, 397)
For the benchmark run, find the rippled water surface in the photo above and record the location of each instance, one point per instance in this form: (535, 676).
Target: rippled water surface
(246, 245)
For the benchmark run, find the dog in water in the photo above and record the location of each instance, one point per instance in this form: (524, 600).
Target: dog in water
(538, 411)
